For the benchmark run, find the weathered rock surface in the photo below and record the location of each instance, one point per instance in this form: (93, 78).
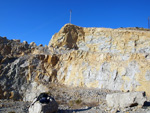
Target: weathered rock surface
(44, 108)
(124, 100)
(115, 59)
(22, 69)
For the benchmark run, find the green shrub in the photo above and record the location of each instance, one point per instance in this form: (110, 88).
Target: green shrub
(78, 101)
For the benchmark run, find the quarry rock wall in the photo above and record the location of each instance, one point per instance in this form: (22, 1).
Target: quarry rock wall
(115, 59)
(104, 58)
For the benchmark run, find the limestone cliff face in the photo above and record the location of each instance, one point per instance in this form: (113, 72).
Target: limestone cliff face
(116, 59)
(104, 40)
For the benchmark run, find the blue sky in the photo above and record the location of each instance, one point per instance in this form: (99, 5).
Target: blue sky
(37, 20)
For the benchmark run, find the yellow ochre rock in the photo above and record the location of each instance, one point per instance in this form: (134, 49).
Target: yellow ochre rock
(116, 59)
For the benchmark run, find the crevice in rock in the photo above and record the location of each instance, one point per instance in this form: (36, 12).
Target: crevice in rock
(134, 104)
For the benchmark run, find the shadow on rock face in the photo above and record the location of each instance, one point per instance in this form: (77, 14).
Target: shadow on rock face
(146, 104)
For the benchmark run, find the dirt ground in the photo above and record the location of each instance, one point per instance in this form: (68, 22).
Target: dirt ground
(74, 100)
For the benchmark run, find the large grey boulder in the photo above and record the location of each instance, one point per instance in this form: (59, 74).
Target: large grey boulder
(124, 100)
(38, 107)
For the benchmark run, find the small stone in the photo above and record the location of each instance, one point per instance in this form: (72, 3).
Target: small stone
(86, 107)
(11, 94)
(1, 105)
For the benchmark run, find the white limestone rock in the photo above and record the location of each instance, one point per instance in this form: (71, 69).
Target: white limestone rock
(124, 100)
(34, 90)
(38, 107)
(32, 44)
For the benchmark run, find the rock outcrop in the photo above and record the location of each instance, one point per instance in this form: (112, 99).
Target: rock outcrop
(124, 100)
(115, 59)
(21, 69)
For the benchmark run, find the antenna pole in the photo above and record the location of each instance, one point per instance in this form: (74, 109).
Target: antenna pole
(148, 23)
(70, 16)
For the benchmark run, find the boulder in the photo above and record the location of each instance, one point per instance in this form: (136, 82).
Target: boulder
(33, 90)
(124, 100)
(38, 107)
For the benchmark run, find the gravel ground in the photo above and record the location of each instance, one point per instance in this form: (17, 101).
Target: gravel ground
(22, 107)
(8, 106)
(74, 100)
